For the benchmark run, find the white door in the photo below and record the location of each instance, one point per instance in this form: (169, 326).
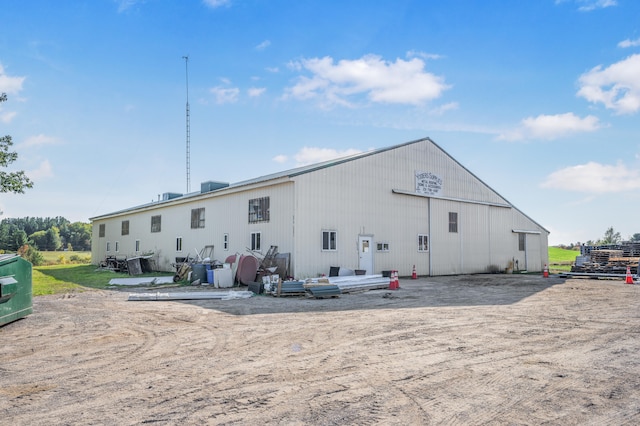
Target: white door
(365, 253)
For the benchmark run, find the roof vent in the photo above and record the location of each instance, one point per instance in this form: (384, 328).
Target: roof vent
(170, 196)
(210, 185)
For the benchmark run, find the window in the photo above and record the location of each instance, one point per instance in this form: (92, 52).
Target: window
(423, 242)
(125, 227)
(137, 246)
(453, 222)
(225, 243)
(259, 210)
(522, 241)
(108, 246)
(382, 246)
(156, 221)
(329, 239)
(197, 218)
(117, 246)
(179, 244)
(101, 230)
(255, 241)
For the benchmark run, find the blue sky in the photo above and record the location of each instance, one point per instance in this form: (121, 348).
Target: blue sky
(540, 99)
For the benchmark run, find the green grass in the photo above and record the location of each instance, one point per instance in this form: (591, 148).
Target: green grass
(560, 260)
(54, 279)
(65, 257)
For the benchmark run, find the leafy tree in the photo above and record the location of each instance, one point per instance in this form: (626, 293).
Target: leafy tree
(39, 239)
(79, 235)
(635, 238)
(15, 182)
(20, 238)
(52, 239)
(611, 237)
(31, 254)
(75, 235)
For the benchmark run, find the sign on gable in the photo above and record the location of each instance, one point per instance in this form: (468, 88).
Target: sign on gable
(428, 183)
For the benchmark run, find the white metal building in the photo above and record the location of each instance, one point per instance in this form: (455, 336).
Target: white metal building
(390, 208)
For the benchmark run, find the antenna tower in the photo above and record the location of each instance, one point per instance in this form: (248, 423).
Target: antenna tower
(186, 65)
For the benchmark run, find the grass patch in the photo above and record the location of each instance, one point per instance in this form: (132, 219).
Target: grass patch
(54, 279)
(44, 283)
(560, 260)
(66, 257)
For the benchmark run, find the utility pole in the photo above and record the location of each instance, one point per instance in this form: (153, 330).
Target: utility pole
(186, 65)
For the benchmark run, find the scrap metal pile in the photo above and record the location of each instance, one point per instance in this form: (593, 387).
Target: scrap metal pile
(136, 265)
(611, 259)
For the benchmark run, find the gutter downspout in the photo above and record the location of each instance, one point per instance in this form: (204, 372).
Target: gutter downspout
(430, 238)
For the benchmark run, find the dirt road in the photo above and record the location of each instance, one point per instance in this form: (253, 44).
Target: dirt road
(486, 349)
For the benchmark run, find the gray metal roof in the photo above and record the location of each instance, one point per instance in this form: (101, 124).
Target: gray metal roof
(278, 175)
(300, 171)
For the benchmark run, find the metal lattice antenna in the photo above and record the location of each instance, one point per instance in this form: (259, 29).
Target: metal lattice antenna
(186, 65)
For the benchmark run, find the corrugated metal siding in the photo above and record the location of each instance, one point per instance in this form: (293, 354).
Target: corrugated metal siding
(352, 198)
(223, 214)
(356, 198)
(367, 206)
(503, 242)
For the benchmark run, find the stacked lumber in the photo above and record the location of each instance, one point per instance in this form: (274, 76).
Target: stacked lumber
(610, 259)
(603, 256)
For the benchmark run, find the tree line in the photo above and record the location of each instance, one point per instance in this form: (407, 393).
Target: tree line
(45, 234)
(611, 237)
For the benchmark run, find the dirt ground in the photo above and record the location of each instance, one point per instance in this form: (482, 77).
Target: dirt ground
(481, 349)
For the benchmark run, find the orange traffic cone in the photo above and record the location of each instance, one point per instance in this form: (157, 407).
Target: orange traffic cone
(414, 274)
(545, 271)
(393, 281)
(629, 278)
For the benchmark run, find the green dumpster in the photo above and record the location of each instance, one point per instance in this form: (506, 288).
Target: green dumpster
(15, 288)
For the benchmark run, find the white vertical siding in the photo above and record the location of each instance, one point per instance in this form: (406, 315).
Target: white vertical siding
(224, 214)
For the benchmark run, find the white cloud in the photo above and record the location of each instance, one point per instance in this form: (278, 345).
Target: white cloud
(6, 117)
(38, 140)
(43, 171)
(423, 55)
(444, 108)
(399, 82)
(124, 5)
(273, 69)
(8, 84)
(629, 43)
(311, 155)
(551, 127)
(216, 3)
(225, 95)
(280, 158)
(256, 91)
(617, 86)
(263, 45)
(589, 5)
(595, 178)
